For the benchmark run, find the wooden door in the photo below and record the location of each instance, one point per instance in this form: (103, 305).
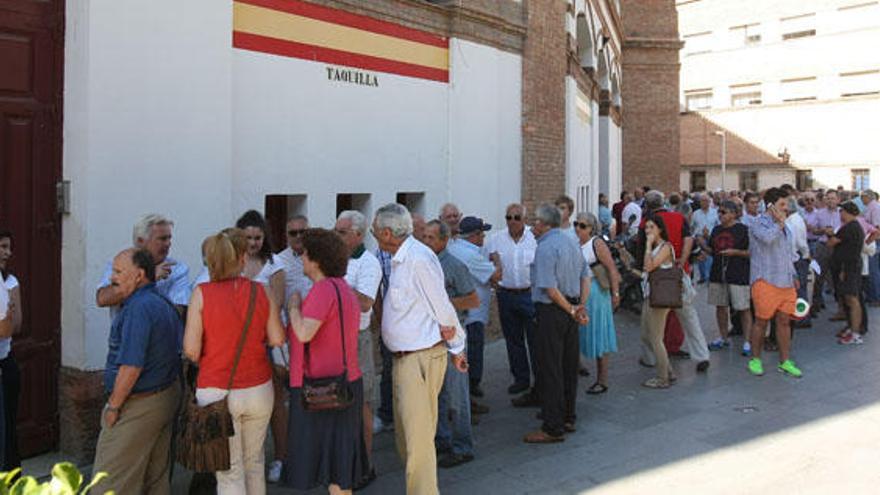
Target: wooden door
(31, 70)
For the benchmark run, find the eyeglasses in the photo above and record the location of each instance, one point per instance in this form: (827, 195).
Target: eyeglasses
(581, 225)
(723, 212)
(295, 232)
(513, 217)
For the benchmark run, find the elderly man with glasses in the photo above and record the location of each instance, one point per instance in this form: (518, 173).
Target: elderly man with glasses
(514, 248)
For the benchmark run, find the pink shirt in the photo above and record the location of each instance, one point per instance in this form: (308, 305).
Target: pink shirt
(872, 213)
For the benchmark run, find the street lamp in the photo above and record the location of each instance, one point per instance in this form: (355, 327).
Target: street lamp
(723, 157)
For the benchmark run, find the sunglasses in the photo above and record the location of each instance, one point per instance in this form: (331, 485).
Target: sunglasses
(581, 225)
(724, 212)
(513, 217)
(295, 233)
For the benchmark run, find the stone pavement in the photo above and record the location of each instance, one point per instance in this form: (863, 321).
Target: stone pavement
(720, 432)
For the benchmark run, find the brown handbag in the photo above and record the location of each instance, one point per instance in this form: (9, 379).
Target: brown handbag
(204, 432)
(332, 393)
(666, 287)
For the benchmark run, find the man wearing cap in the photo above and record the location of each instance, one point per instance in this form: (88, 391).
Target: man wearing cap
(468, 250)
(729, 276)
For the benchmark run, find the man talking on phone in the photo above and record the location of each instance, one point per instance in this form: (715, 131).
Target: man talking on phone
(774, 281)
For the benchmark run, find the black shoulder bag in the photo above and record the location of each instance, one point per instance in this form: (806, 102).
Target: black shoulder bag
(332, 393)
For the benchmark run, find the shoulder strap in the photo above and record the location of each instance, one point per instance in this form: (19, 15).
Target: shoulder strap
(341, 332)
(341, 329)
(247, 323)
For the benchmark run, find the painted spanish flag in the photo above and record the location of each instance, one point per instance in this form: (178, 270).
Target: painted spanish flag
(293, 28)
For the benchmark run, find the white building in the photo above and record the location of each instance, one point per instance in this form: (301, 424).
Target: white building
(794, 85)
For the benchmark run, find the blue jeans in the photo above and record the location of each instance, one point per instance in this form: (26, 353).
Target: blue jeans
(475, 341)
(705, 267)
(517, 314)
(873, 294)
(454, 413)
(386, 405)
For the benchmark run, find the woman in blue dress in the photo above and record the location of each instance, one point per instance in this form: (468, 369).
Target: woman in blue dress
(598, 338)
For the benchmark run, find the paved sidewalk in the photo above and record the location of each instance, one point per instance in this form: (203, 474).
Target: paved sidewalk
(720, 432)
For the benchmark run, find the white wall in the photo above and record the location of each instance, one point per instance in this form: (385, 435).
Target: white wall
(581, 169)
(162, 114)
(147, 128)
(615, 161)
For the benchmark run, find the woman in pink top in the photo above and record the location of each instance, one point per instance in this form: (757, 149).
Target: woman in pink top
(215, 322)
(325, 448)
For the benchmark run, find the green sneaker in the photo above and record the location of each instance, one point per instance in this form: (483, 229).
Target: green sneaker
(789, 368)
(756, 367)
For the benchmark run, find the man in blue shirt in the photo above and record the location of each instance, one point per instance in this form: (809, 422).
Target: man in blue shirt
(468, 249)
(560, 288)
(143, 363)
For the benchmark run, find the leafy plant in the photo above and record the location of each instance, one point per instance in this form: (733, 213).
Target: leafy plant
(66, 480)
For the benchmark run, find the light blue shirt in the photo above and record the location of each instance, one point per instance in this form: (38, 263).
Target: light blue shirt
(702, 219)
(558, 264)
(481, 269)
(175, 287)
(770, 252)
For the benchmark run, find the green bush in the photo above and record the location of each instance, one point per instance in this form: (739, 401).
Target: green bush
(66, 480)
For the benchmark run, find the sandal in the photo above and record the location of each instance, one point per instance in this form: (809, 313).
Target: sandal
(656, 383)
(842, 332)
(597, 388)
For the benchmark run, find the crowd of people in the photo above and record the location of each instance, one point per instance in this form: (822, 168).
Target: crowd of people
(260, 325)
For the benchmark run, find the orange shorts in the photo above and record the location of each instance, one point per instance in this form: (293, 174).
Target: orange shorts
(769, 299)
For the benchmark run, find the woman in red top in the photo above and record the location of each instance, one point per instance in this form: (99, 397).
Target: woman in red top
(325, 448)
(214, 325)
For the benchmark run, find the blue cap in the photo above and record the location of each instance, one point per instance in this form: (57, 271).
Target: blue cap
(470, 225)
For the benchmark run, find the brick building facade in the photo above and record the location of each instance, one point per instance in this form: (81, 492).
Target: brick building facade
(650, 90)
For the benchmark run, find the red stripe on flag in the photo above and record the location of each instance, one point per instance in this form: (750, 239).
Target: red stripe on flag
(247, 41)
(351, 20)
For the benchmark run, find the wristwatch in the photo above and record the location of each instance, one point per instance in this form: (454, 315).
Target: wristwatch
(615, 294)
(108, 407)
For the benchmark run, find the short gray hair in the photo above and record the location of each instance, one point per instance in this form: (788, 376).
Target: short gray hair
(589, 219)
(442, 228)
(143, 227)
(447, 206)
(654, 199)
(521, 206)
(358, 220)
(548, 214)
(395, 217)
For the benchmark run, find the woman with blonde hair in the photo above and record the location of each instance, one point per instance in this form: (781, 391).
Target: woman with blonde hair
(216, 322)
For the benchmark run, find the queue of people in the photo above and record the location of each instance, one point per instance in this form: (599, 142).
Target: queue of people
(307, 311)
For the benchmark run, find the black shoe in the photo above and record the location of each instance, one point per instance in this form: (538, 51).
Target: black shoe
(476, 391)
(369, 478)
(702, 366)
(477, 408)
(528, 399)
(583, 372)
(517, 388)
(451, 460)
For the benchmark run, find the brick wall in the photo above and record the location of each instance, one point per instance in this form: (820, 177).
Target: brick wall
(649, 91)
(80, 400)
(545, 65)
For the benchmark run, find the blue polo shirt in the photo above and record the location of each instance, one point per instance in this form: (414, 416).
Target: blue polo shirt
(558, 264)
(147, 333)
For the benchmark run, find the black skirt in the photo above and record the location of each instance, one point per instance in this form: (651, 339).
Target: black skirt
(326, 447)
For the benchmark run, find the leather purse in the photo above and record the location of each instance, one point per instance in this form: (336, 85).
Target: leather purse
(666, 287)
(599, 271)
(204, 431)
(331, 393)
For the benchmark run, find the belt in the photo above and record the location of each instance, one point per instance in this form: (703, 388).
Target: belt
(400, 354)
(141, 395)
(516, 291)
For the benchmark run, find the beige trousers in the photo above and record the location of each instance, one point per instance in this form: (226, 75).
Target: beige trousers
(418, 378)
(251, 409)
(135, 451)
(653, 329)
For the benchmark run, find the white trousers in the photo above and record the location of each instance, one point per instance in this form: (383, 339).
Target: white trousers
(251, 409)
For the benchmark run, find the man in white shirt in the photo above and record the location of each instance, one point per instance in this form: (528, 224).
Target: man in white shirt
(450, 215)
(631, 218)
(153, 233)
(800, 255)
(704, 220)
(514, 248)
(291, 258)
(364, 274)
(419, 325)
